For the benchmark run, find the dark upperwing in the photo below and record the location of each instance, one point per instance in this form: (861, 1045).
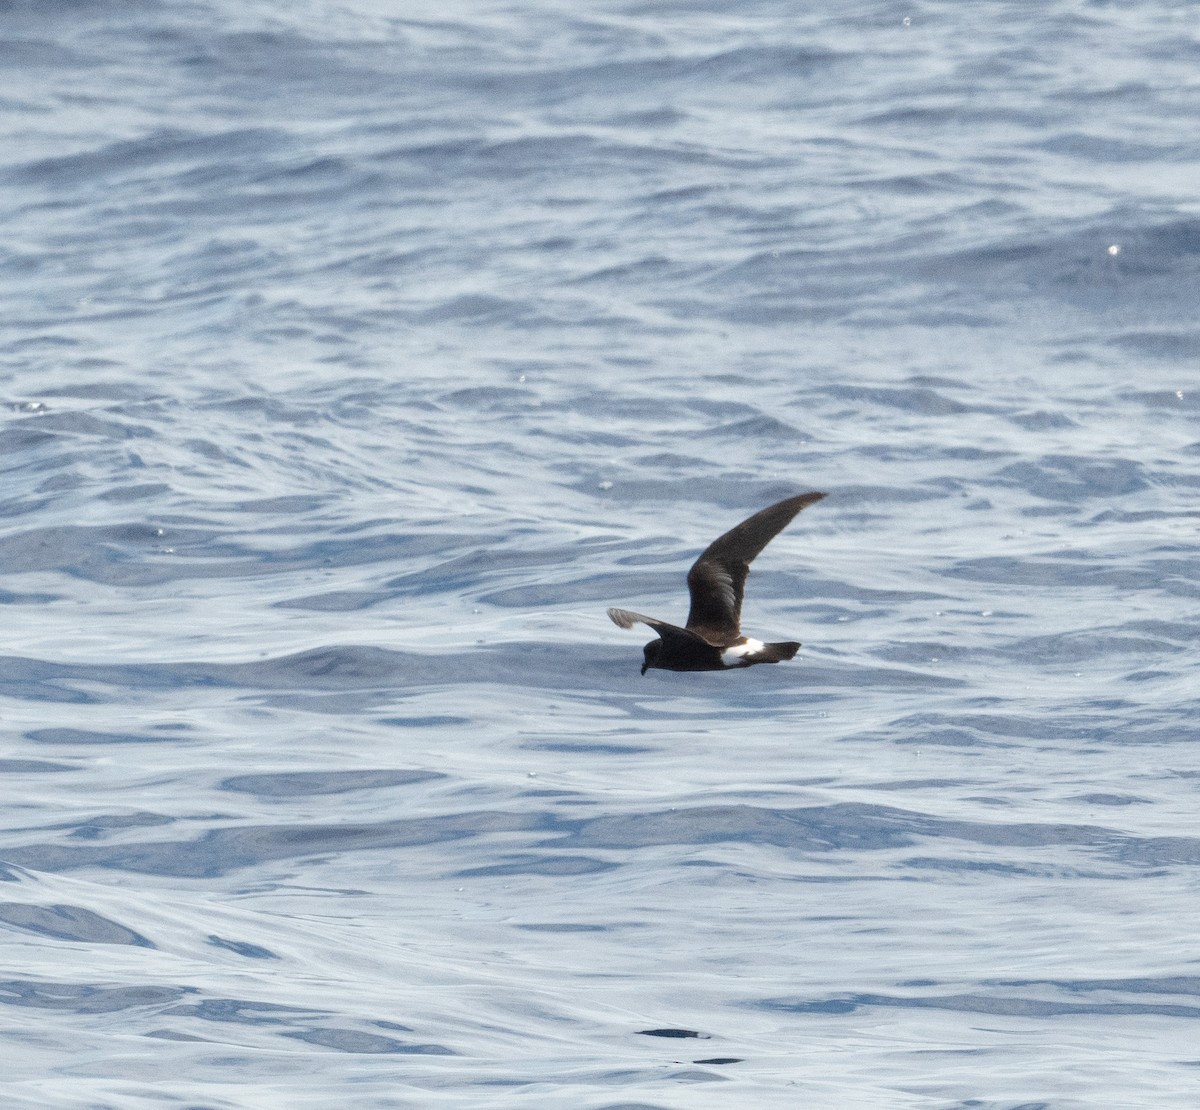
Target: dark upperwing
(717, 580)
(668, 632)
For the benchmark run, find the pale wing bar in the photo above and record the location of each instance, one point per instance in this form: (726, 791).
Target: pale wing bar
(623, 618)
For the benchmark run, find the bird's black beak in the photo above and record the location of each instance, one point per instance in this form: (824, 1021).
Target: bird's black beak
(644, 666)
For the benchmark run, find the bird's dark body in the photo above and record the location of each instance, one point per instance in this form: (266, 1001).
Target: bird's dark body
(712, 640)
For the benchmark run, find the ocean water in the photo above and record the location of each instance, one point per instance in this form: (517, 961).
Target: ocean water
(355, 358)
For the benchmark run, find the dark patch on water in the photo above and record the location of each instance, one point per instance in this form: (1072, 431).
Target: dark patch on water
(294, 784)
(70, 923)
(242, 948)
(672, 1033)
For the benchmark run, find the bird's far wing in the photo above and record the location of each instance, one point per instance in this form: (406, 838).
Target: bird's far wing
(625, 619)
(717, 580)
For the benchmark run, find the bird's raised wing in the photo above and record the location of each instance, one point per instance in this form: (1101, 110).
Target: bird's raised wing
(717, 580)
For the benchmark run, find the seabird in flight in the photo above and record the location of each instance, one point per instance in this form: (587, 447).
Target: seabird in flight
(712, 639)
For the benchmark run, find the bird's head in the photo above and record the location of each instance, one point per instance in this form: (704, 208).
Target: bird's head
(650, 654)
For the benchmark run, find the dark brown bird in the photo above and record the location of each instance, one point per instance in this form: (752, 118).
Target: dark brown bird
(713, 640)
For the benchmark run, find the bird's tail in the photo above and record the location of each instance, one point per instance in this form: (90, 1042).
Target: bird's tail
(775, 653)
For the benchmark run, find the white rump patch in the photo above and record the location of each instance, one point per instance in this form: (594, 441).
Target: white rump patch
(732, 656)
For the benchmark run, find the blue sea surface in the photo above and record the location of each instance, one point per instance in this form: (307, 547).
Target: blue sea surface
(355, 357)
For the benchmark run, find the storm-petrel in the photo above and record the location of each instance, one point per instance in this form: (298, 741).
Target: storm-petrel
(713, 640)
